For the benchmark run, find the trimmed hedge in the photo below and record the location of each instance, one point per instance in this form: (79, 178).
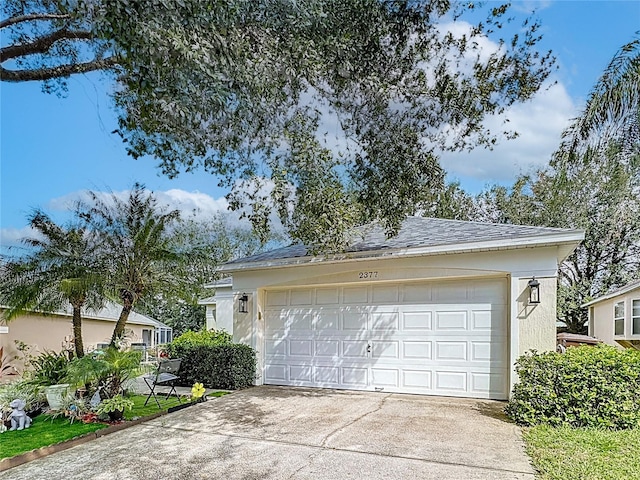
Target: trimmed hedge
(201, 338)
(229, 367)
(584, 387)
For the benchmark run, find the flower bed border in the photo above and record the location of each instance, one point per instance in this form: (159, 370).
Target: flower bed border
(21, 459)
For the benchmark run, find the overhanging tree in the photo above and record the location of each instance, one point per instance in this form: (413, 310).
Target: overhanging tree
(233, 87)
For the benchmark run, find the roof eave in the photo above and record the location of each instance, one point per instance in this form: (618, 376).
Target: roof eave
(569, 241)
(611, 295)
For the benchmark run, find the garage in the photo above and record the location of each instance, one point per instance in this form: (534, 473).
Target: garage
(445, 307)
(437, 338)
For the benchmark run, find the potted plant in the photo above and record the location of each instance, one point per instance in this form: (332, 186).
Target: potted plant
(114, 407)
(50, 371)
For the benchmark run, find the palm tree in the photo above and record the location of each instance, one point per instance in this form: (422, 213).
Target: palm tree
(137, 244)
(612, 111)
(59, 269)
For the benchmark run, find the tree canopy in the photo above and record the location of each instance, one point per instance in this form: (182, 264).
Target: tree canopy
(247, 90)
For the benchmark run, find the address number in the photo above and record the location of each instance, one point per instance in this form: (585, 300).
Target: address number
(367, 274)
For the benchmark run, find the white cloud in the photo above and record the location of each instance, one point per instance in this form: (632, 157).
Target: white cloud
(11, 238)
(539, 122)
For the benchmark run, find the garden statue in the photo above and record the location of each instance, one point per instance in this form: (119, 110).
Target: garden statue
(19, 419)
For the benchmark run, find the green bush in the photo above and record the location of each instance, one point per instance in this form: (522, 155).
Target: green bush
(228, 366)
(584, 387)
(199, 339)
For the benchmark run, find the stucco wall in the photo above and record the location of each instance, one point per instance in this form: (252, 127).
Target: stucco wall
(603, 314)
(49, 333)
(537, 322)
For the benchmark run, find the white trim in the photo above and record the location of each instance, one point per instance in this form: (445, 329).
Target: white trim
(556, 240)
(514, 332)
(626, 289)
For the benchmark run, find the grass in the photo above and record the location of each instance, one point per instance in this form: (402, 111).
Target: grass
(583, 453)
(45, 431)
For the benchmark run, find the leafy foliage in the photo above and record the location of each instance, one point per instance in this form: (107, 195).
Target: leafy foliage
(49, 368)
(117, 403)
(105, 372)
(58, 269)
(202, 338)
(246, 90)
(584, 387)
(225, 366)
(23, 390)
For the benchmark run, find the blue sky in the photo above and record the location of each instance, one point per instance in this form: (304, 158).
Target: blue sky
(52, 148)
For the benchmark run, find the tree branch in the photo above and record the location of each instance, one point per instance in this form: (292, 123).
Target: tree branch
(34, 16)
(42, 44)
(61, 71)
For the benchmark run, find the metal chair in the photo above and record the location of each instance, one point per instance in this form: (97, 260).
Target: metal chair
(165, 375)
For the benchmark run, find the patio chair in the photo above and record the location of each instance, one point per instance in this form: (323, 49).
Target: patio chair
(165, 375)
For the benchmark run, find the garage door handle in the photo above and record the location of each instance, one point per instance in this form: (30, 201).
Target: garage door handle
(368, 348)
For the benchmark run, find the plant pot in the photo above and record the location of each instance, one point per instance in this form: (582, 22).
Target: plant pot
(116, 415)
(55, 395)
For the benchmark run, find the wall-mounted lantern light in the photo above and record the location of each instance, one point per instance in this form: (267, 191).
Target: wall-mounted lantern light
(534, 291)
(243, 303)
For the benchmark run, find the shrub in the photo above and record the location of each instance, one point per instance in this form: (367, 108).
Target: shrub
(202, 338)
(49, 368)
(228, 366)
(586, 386)
(26, 391)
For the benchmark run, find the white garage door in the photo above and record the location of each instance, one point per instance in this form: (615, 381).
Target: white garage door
(446, 338)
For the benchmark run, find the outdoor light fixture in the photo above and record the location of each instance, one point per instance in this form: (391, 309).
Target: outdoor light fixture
(242, 303)
(534, 291)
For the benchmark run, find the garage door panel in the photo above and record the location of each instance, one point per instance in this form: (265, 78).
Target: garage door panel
(488, 352)
(417, 379)
(354, 320)
(327, 348)
(355, 295)
(276, 373)
(448, 351)
(385, 349)
(301, 348)
(276, 347)
(419, 350)
(277, 298)
(449, 380)
(327, 296)
(385, 321)
(355, 377)
(355, 348)
(417, 320)
(301, 373)
(385, 377)
(488, 383)
(416, 293)
(385, 294)
(451, 321)
(326, 375)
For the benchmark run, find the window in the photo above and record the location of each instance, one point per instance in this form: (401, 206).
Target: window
(618, 318)
(635, 317)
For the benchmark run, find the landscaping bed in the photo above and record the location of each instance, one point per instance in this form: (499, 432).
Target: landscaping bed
(48, 435)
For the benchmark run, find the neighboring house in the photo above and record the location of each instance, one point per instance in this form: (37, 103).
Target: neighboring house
(615, 318)
(219, 307)
(53, 331)
(443, 308)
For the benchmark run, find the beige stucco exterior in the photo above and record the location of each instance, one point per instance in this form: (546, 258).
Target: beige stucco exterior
(601, 317)
(54, 332)
(531, 327)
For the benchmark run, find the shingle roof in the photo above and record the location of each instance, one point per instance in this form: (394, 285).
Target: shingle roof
(619, 291)
(419, 232)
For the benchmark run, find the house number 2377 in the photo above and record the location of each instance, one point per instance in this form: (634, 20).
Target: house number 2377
(367, 274)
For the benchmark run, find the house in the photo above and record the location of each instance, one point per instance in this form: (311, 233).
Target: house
(615, 318)
(443, 308)
(219, 307)
(53, 331)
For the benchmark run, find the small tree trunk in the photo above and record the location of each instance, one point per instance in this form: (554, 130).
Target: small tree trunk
(122, 320)
(77, 331)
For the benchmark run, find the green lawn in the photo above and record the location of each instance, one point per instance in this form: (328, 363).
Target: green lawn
(45, 431)
(583, 453)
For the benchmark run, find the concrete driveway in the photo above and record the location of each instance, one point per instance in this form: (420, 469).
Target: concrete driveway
(282, 433)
